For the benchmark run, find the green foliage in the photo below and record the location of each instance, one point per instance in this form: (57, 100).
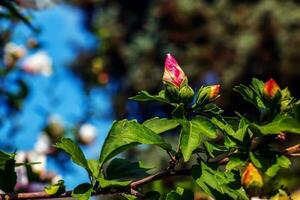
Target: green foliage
(120, 168)
(223, 146)
(270, 162)
(56, 189)
(216, 183)
(8, 176)
(200, 125)
(158, 125)
(145, 96)
(125, 134)
(103, 183)
(74, 151)
(193, 133)
(283, 122)
(83, 191)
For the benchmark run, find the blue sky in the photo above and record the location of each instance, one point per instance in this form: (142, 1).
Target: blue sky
(61, 26)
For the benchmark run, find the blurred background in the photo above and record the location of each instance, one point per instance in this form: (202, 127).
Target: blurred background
(68, 68)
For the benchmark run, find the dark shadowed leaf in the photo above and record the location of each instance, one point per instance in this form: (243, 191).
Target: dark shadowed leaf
(120, 168)
(173, 196)
(83, 191)
(8, 176)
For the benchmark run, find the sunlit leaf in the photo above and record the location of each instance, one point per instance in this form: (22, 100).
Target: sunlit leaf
(159, 125)
(125, 134)
(56, 189)
(74, 152)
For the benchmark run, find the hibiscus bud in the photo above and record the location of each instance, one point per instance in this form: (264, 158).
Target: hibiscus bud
(251, 177)
(186, 94)
(214, 92)
(173, 74)
(271, 88)
(208, 94)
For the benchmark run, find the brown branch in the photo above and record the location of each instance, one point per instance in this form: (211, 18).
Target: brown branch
(33, 195)
(158, 176)
(291, 150)
(132, 189)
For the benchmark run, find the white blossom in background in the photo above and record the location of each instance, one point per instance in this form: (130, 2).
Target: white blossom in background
(87, 133)
(41, 158)
(21, 171)
(12, 53)
(37, 4)
(56, 178)
(43, 144)
(38, 63)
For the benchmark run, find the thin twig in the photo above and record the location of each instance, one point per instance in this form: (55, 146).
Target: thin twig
(291, 150)
(132, 189)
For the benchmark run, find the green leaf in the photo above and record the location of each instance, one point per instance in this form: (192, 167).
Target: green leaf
(56, 189)
(282, 123)
(252, 94)
(184, 193)
(178, 111)
(83, 191)
(190, 139)
(270, 162)
(193, 133)
(145, 96)
(281, 161)
(158, 125)
(255, 161)
(257, 86)
(120, 168)
(74, 152)
(234, 162)
(214, 148)
(103, 183)
(204, 126)
(4, 157)
(173, 196)
(242, 131)
(94, 168)
(8, 176)
(125, 134)
(227, 128)
(217, 184)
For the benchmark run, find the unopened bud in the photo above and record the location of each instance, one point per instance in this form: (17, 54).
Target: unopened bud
(251, 177)
(271, 88)
(173, 74)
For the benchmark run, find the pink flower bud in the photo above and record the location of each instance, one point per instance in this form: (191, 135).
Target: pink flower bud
(271, 88)
(173, 73)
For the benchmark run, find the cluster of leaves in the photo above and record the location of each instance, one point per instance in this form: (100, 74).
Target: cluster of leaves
(205, 138)
(203, 132)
